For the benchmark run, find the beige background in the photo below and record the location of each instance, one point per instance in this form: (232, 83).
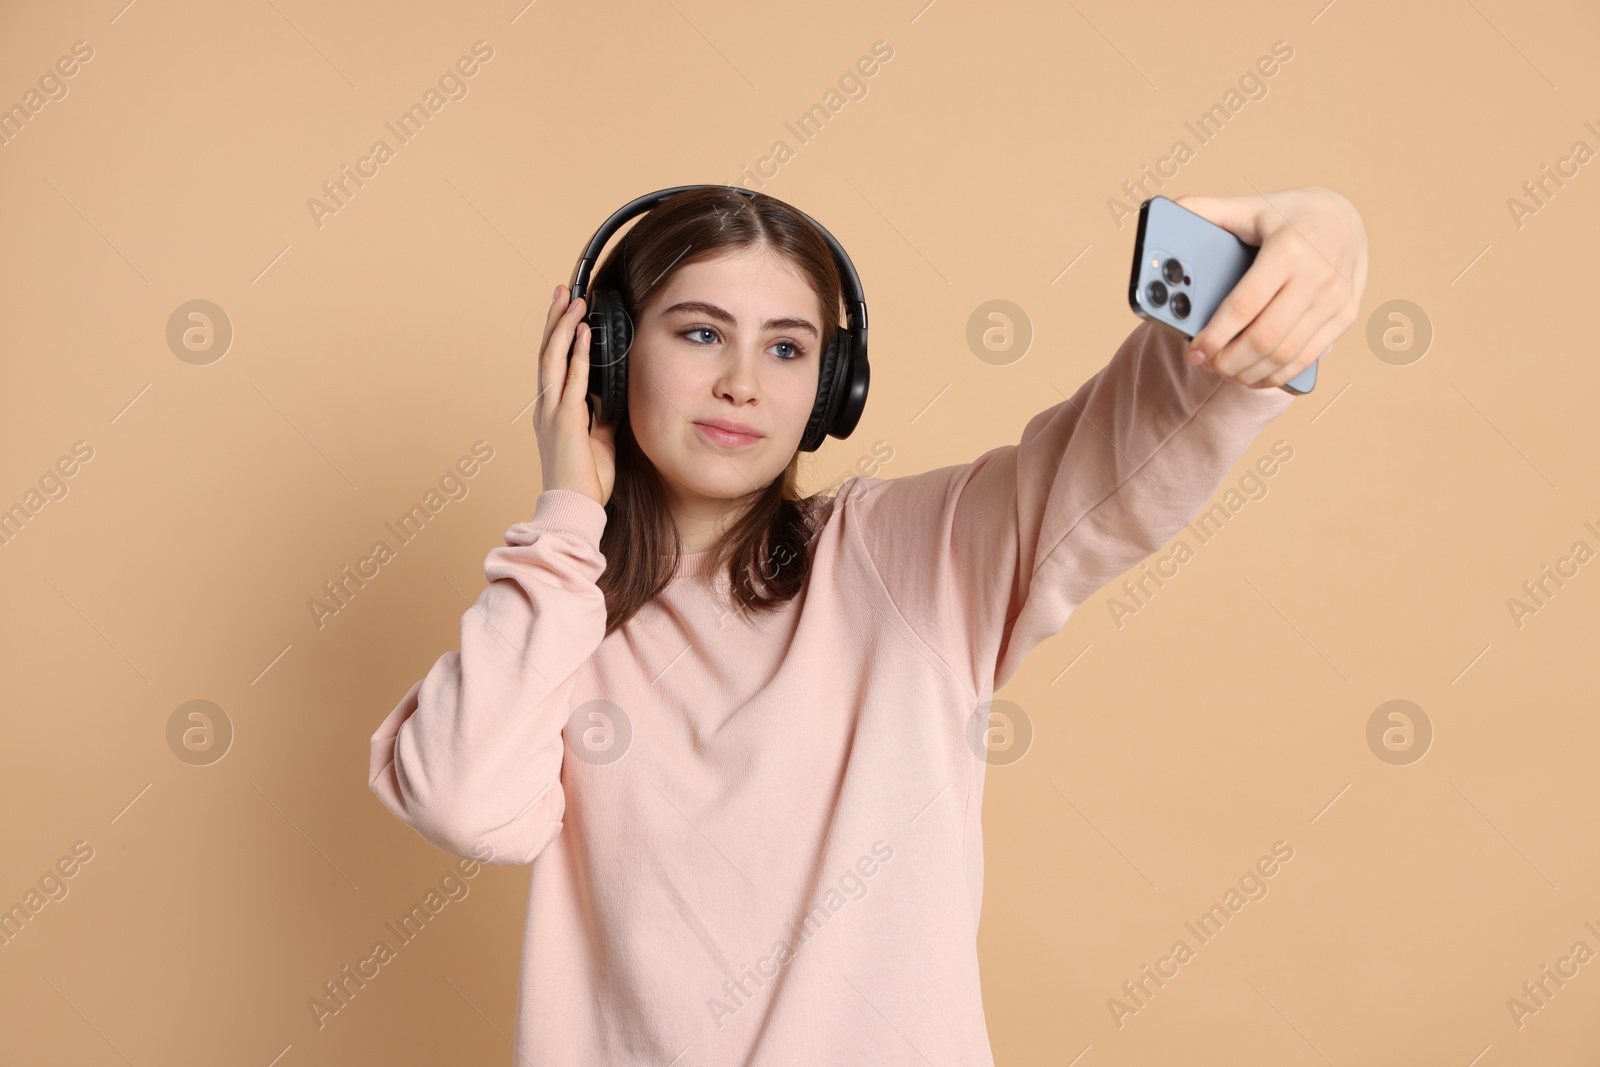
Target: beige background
(369, 354)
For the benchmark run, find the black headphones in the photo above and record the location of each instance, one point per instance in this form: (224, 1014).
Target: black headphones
(841, 379)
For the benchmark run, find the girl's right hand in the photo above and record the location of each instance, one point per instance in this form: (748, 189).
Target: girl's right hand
(572, 455)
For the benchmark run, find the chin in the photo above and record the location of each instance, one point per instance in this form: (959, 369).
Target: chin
(733, 487)
(696, 470)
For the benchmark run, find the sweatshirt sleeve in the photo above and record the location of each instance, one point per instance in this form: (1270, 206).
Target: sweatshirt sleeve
(471, 756)
(986, 560)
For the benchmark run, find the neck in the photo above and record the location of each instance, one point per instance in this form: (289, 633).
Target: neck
(702, 521)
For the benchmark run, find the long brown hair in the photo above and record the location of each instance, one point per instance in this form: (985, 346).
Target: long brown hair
(766, 553)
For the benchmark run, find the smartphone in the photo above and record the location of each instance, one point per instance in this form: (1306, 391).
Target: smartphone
(1183, 268)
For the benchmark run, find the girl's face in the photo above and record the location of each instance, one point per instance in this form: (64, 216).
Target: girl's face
(735, 339)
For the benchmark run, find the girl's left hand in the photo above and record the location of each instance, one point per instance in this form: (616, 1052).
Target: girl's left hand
(1302, 292)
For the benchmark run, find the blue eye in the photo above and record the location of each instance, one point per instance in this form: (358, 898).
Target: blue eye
(798, 352)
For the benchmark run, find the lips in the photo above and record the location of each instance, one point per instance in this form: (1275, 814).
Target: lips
(728, 434)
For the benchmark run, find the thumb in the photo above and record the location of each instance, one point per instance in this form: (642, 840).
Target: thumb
(1239, 215)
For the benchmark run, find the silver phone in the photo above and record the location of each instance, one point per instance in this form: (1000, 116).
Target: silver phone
(1184, 266)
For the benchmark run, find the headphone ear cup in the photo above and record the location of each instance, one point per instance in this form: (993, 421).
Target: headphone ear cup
(610, 338)
(834, 370)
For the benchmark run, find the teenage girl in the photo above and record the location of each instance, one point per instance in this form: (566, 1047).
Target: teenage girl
(739, 732)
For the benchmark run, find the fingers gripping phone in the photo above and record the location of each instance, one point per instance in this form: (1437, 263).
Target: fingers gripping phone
(1183, 268)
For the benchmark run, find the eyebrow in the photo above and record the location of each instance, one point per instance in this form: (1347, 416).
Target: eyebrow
(713, 312)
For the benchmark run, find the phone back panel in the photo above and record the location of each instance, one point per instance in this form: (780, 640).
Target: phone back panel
(1212, 260)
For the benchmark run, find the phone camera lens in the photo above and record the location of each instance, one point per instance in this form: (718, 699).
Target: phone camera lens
(1173, 270)
(1180, 305)
(1157, 293)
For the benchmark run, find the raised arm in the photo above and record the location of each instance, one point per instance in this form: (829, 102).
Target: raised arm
(987, 559)
(471, 756)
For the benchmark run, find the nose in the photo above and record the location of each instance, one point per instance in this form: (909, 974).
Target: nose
(737, 379)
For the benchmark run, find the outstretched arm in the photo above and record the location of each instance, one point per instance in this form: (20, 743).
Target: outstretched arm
(987, 559)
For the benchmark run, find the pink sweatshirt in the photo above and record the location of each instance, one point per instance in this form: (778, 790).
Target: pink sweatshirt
(759, 842)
